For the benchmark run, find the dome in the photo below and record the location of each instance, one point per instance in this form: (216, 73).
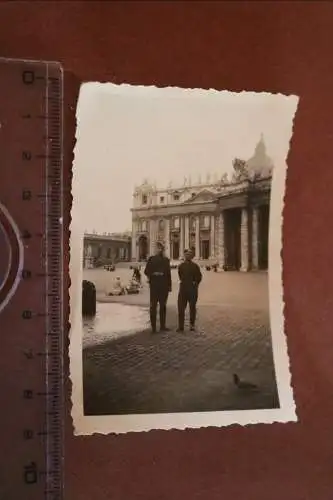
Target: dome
(260, 164)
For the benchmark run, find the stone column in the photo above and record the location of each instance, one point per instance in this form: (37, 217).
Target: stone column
(197, 237)
(154, 223)
(167, 237)
(187, 232)
(216, 246)
(221, 242)
(255, 238)
(152, 236)
(181, 236)
(212, 237)
(134, 245)
(87, 256)
(245, 240)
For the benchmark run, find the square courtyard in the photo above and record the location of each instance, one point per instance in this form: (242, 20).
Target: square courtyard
(132, 371)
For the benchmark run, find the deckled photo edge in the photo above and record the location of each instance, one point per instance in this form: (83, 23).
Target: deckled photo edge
(282, 362)
(89, 425)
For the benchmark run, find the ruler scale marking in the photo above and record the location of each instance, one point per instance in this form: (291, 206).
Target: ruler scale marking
(32, 110)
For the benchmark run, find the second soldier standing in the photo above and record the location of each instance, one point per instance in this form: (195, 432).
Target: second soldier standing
(190, 277)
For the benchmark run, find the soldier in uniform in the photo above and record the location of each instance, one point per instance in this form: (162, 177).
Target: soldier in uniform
(190, 277)
(158, 272)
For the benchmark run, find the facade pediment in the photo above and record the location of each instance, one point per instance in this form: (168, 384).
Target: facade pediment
(202, 196)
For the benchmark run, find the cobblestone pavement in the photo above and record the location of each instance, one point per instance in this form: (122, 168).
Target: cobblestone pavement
(190, 371)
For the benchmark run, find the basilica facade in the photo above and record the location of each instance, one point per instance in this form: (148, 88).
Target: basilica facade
(223, 220)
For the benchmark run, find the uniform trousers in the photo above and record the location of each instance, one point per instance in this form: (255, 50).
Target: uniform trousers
(158, 295)
(187, 295)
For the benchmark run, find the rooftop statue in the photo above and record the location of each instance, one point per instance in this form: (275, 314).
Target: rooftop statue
(224, 179)
(240, 170)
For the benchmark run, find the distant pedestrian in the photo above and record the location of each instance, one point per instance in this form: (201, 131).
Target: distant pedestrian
(158, 272)
(117, 287)
(190, 277)
(137, 275)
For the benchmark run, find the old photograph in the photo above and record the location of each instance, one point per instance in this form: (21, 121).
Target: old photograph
(176, 271)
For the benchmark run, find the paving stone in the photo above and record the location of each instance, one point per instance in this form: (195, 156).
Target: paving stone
(190, 371)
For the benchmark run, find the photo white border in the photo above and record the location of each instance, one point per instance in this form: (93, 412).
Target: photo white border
(118, 424)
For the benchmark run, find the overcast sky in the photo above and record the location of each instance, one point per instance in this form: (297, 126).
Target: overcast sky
(126, 134)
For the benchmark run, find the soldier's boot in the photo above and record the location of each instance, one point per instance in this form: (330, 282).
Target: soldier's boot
(193, 315)
(181, 314)
(163, 327)
(153, 319)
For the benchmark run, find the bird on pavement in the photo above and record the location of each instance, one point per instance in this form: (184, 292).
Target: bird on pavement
(243, 384)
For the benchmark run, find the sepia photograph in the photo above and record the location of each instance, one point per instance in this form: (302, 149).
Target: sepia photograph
(176, 259)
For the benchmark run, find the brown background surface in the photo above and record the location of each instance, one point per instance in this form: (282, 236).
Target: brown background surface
(278, 47)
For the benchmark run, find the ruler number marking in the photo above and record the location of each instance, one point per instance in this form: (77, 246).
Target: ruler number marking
(28, 394)
(26, 195)
(28, 77)
(26, 314)
(28, 434)
(29, 354)
(25, 235)
(26, 155)
(26, 274)
(30, 473)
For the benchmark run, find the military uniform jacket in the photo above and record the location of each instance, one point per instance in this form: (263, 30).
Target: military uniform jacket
(189, 274)
(158, 272)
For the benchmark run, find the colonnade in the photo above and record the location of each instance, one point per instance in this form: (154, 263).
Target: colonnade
(211, 241)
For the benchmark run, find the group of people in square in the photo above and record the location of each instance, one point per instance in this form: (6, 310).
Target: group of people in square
(158, 272)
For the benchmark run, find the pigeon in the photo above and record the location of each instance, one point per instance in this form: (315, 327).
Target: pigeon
(242, 384)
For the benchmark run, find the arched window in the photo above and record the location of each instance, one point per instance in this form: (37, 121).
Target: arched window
(161, 225)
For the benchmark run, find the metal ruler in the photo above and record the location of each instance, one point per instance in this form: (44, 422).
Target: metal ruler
(31, 280)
